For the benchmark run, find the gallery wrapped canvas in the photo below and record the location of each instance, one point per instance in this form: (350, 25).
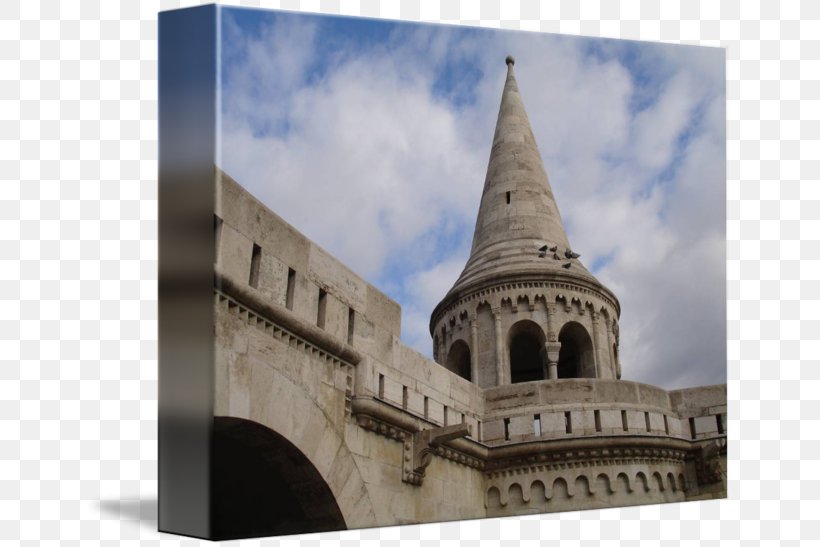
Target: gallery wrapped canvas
(376, 306)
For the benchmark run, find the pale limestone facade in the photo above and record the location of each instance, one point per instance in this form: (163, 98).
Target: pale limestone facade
(311, 351)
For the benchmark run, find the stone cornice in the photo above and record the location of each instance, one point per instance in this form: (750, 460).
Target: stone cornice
(577, 452)
(307, 333)
(517, 282)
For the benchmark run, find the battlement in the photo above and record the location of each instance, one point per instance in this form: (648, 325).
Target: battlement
(257, 247)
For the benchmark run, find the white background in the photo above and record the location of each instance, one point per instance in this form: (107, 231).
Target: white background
(78, 271)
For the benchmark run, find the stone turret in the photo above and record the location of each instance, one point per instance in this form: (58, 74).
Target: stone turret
(524, 308)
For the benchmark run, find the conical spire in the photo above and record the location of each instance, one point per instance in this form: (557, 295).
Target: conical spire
(518, 213)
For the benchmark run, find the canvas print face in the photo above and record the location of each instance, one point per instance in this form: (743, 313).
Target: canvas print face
(463, 273)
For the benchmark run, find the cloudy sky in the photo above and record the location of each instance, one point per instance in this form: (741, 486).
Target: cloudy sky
(373, 137)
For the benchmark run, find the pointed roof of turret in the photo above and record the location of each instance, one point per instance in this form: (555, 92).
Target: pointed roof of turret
(518, 213)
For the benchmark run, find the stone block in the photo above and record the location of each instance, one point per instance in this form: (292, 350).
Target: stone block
(239, 382)
(611, 421)
(435, 411)
(676, 428)
(719, 409)
(583, 422)
(492, 430)
(273, 278)
(636, 421)
(695, 401)
(383, 311)
(372, 340)
(336, 313)
(305, 298)
(234, 258)
(393, 391)
(415, 402)
(656, 422)
(608, 391)
(706, 426)
(521, 426)
(553, 424)
(651, 395)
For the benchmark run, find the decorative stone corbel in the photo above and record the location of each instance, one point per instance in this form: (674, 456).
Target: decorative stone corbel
(419, 449)
(709, 462)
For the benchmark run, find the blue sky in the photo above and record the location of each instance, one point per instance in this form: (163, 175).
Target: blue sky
(372, 137)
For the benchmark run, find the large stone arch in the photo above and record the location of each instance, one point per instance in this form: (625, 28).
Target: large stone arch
(525, 348)
(292, 411)
(576, 358)
(263, 485)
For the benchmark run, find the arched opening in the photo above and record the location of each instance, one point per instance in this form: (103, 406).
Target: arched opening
(458, 359)
(575, 360)
(262, 485)
(526, 346)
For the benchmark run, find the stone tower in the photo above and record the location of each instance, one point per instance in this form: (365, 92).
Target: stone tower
(524, 308)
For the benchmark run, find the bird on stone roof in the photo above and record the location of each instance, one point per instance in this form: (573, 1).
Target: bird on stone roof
(569, 254)
(567, 265)
(554, 248)
(543, 249)
(555, 256)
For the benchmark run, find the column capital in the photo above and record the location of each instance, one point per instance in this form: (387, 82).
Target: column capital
(553, 350)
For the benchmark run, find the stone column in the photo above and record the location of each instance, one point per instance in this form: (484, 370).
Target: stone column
(608, 341)
(551, 351)
(501, 376)
(442, 347)
(600, 346)
(474, 349)
(614, 344)
(551, 336)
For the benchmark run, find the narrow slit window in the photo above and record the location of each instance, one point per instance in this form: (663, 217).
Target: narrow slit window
(506, 429)
(666, 424)
(404, 397)
(719, 419)
(322, 311)
(648, 425)
(381, 386)
(478, 430)
(217, 237)
(624, 421)
(508, 198)
(536, 425)
(598, 421)
(568, 421)
(256, 259)
(445, 414)
(351, 318)
(463, 418)
(692, 430)
(290, 289)
(426, 407)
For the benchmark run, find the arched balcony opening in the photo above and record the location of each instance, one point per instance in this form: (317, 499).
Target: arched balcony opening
(458, 359)
(576, 359)
(525, 343)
